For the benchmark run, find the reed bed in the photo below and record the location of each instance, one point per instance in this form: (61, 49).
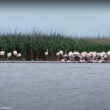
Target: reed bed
(33, 46)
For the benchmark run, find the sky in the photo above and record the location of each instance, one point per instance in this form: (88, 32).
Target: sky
(70, 20)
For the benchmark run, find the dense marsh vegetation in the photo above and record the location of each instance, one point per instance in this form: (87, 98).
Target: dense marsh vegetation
(33, 46)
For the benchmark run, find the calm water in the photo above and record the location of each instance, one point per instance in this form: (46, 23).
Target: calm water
(49, 86)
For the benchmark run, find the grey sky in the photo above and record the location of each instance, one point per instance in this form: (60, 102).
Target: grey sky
(80, 20)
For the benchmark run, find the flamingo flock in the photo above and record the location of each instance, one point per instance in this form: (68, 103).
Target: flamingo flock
(83, 56)
(10, 55)
(92, 57)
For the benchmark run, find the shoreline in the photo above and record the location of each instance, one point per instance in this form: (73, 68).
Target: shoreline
(47, 62)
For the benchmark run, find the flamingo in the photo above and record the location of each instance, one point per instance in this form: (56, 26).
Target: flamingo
(19, 55)
(60, 52)
(46, 53)
(60, 56)
(15, 53)
(57, 54)
(2, 53)
(70, 54)
(9, 55)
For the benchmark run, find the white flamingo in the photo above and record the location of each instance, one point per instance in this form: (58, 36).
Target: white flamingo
(60, 55)
(9, 54)
(19, 55)
(2, 53)
(46, 53)
(15, 53)
(70, 54)
(60, 52)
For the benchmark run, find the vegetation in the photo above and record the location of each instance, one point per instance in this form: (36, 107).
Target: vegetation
(33, 46)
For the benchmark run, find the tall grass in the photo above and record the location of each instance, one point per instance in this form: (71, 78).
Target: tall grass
(33, 46)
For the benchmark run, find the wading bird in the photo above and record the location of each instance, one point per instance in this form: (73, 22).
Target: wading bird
(46, 54)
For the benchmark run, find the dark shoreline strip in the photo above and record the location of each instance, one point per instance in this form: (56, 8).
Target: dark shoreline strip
(46, 62)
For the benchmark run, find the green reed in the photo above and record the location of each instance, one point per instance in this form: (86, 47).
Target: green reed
(33, 46)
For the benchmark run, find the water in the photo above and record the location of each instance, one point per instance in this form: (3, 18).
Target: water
(55, 86)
